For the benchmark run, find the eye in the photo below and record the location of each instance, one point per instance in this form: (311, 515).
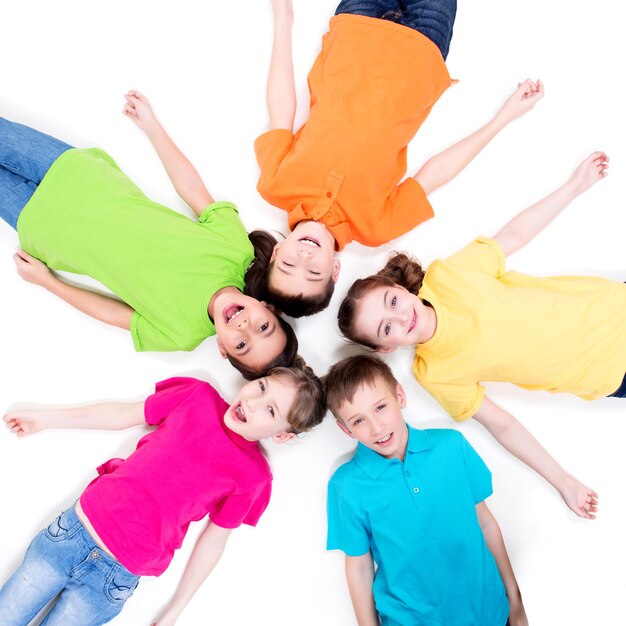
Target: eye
(393, 302)
(241, 345)
(261, 386)
(357, 421)
(380, 407)
(270, 410)
(387, 328)
(287, 264)
(264, 327)
(315, 273)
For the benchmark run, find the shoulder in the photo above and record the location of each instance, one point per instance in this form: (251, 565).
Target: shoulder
(344, 475)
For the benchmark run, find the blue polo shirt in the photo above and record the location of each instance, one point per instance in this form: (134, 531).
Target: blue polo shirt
(418, 519)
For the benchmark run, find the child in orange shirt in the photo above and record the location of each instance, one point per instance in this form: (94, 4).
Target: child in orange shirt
(380, 71)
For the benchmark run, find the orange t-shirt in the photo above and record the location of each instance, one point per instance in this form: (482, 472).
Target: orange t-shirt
(372, 86)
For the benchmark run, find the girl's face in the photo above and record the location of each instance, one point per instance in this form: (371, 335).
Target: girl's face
(247, 330)
(391, 317)
(305, 261)
(260, 409)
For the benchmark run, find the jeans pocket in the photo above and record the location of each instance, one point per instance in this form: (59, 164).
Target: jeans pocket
(120, 585)
(61, 528)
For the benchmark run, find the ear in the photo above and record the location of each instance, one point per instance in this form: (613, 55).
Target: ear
(275, 250)
(220, 347)
(336, 268)
(283, 437)
(401, 396)
(384, 350)
(343, 427)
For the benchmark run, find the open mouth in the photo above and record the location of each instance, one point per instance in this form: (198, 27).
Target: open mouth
(238, 414)
(385, 441)
(309, 241)
(231, 312)
(413, 322)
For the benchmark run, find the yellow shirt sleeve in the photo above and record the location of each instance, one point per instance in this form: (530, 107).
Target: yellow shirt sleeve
(460, 401)
(482, 255)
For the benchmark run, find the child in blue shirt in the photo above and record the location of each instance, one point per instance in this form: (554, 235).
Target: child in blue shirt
(412, 502)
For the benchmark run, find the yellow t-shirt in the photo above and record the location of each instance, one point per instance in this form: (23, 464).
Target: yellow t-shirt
(559, 334)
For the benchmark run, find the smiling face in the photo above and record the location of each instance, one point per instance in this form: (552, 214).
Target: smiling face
(374, 418)
(261, 408)
(247, 329)
(391, 317)
(305, 261)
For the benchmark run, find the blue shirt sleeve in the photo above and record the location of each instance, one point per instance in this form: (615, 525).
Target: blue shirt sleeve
(478, 474)
(347, 531)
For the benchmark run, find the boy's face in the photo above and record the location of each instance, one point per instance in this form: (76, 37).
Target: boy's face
(374, 417)
(305, 261)
(260, 410)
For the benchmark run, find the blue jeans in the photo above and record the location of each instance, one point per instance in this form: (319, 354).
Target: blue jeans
(65, 559)
(433, 18)
(621, 392)
(25, 157)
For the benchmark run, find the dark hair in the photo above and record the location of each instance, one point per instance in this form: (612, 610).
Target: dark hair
(284, 359)
(257, 283)
(400, 269)
(344, 379)
(309, 407)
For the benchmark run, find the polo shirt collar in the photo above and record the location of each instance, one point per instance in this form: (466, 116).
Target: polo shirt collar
(375, 464)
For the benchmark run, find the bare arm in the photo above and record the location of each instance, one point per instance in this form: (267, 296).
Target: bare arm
(205, 556)
(101, 307)
(444, 166)
(525, 226)
(514, 437)
(495, 543)
(104, 416)
(360, 577)
(281, 91)
(182, 173)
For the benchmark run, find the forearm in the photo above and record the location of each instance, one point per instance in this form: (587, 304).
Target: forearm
(360, 577)
(525, 226)
(205, 556)
(101, 307)
(281, 91)
(182, 173)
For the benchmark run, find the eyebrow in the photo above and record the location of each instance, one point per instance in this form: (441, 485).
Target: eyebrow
(381, 321)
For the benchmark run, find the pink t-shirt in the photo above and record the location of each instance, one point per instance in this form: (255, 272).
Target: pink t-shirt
(190, 466)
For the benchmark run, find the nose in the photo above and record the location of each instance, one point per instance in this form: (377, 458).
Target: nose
(376, 426)
(242, 321)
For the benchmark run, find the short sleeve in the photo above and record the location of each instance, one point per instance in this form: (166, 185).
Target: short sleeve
(270, 149)
(148, 337)
(460, 401)
(168, 395)
(405, 208)
(478, 474)
(218, 212)
(244, 508)
(482, 255)
(346, 530)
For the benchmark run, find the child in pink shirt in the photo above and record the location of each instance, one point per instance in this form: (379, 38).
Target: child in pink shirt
(203, 458)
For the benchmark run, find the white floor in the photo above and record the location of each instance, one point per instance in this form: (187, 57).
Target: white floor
(65, 68)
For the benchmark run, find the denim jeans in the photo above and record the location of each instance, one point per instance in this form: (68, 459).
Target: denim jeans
(25, 157)
(64, 559)
(621, 392)
(433, 18)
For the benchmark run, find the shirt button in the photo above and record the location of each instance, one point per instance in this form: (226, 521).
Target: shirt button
(407, 473)
(329, 194)
(416, 489)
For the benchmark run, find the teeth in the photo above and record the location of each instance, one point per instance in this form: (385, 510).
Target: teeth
(234, 315)
(309, 242)
(384, 439)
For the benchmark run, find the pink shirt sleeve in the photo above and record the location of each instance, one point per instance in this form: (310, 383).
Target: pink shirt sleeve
(167, 396)
(244, 508)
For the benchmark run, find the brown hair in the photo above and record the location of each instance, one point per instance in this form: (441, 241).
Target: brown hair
(400, 269)
(258, 286)
(344, 379)
(285, 359)
(309, 407)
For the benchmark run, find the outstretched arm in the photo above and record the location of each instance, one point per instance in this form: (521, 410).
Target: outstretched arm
(103, 308)
(104, 416)
(514, 437)
(525, 226)
(281, 91)
(444, 166)
(182, 173)
(205, 556)
(495, 543)
(360, 577)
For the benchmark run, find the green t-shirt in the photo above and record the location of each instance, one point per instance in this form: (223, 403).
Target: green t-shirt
(88, 217)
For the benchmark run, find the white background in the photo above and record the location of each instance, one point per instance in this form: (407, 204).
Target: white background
(65, 67)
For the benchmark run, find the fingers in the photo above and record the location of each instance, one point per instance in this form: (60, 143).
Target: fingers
(129, 110)
(15, 425)
(133, 93)
(21, 255)
(589, 508)
(531, 89)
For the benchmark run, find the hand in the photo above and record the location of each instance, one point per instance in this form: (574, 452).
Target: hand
(594, 168)
(31, 269)
(523, 100)
(517, 614)
(579, 498)
(25, 422)
(139, 109)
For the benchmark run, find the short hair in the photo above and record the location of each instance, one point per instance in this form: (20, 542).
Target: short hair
(344, 379)
(285, 359)
(309, 407)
